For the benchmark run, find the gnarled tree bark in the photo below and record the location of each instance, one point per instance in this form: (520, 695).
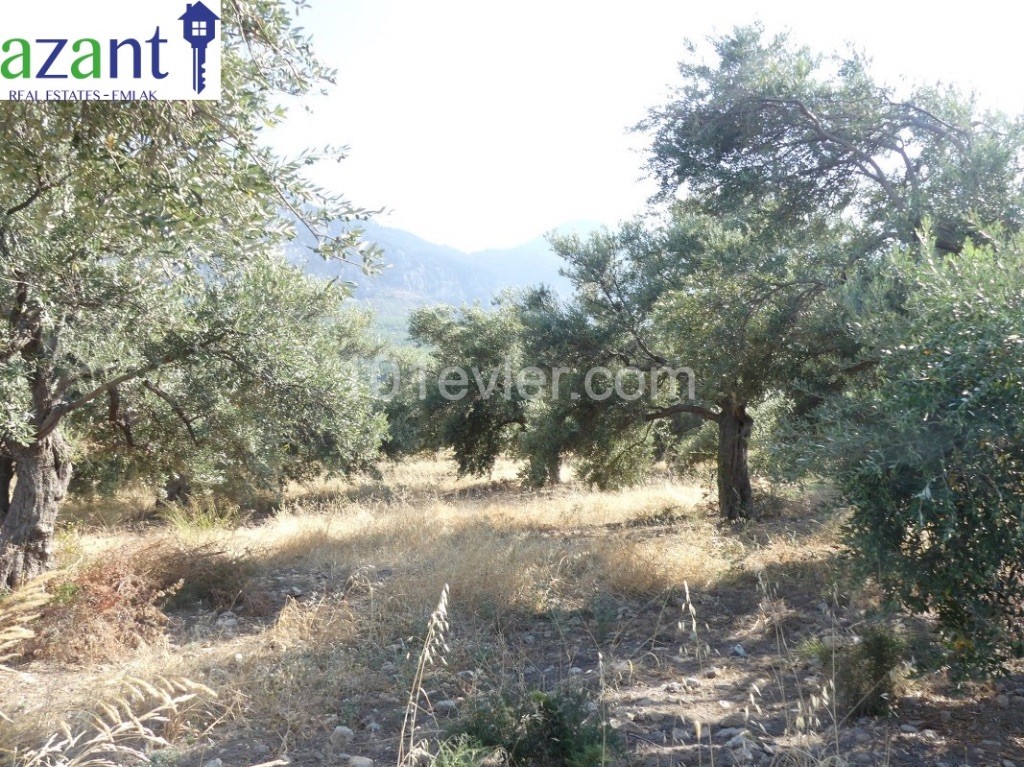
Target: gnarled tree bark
(735, 424)
(43, 472)
(6, 478)
(735, 496)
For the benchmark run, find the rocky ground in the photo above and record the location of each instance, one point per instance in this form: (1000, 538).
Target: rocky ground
(739, 693)
(698, 643)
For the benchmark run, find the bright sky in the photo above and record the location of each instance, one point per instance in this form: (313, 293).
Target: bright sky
(484, 124)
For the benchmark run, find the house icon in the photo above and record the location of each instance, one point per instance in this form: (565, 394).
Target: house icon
(200, 24)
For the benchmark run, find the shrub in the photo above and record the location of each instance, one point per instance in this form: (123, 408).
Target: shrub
(463, 751)
(867, 673)
(540, 729)
(931, 456)
(203, 513)
(116, 602)
(100, 610)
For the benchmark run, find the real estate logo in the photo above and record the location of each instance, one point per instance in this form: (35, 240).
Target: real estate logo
(200, 28)
(63, 50)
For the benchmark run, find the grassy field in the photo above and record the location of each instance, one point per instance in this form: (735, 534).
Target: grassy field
(627, 627)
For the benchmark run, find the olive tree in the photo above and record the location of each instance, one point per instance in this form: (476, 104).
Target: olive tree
(794, 170)
(517, 379)
(289, 400)
(763, 124)
(734, 312)
(929, 448)
(127, 231)
(781, 175)
(466, 393)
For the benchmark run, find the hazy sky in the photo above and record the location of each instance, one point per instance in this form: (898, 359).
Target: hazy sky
(477, 123)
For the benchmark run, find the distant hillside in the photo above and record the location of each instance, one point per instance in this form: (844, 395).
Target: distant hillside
(418, 273)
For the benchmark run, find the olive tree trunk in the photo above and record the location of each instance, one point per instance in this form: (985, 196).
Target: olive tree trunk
(6, 477)
(555, 469)
(177, 489)
(735, 496)
(42, 471)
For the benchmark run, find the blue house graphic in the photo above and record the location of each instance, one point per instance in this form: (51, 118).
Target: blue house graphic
(199, 28)
(200, 24)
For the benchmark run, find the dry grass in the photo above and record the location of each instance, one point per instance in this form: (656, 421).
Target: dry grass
(111, 513)
(99, 612)
(139, 718)
(385, 549)
(18, 615)
(109, 604)
(501, 549)
(286, 678)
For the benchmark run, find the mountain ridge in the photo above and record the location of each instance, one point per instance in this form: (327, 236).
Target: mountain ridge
(417, 272)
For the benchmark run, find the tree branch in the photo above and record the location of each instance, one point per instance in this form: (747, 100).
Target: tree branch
(875, 173)
(17, 322)
(57, 413)
(682, 407)
(41, 188)
(855, 368)
(114, 416)
(175, 407)
(618, 303)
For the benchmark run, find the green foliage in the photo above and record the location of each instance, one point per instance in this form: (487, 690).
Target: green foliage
(555, 729)
(809, 169)
(202, 513)
(65, 593)
(867, 673)
(286, 402)
(740, 304)
(397, 384)
(148, 312)
(923, 441)
(790, 178)
(930, 451)
(605, 433)
(469, 396)
(687, 443)
(798, 134)
(721, 313)
(504, 409)
(462, 751)
(796, 171)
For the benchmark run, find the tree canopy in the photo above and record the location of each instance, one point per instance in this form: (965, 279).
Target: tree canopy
(135, 240)
(928, 447)
(775, 126)
(786, 180)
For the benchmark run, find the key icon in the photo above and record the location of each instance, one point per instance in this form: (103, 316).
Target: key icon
(200, 27)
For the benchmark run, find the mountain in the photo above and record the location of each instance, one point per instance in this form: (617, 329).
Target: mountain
(419, 273)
